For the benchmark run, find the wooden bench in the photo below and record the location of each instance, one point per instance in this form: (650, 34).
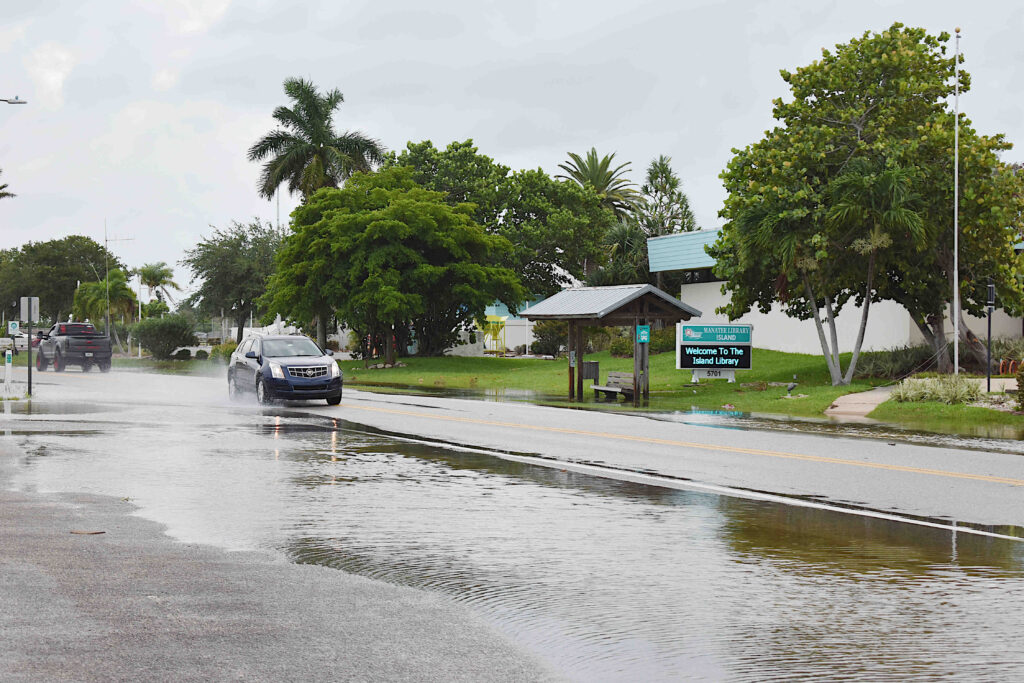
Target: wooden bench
(619, 383)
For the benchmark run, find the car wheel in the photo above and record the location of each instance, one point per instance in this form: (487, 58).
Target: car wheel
(104, 366)
(58, 362)
(261, 392)
(233, 390)
(334, 400)
(41, 363)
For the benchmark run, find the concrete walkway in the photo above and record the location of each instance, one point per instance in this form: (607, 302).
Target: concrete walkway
(858, 405)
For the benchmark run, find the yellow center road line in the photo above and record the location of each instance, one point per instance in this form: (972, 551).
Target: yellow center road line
(701, 446)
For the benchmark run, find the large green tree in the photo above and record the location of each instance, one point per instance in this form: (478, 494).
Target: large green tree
(871, 114)
(233, 266)
(306, 152)
(616, 191)
(91, 298)
(556, 228)
(662, 207)
(384, 253)
(51, 270)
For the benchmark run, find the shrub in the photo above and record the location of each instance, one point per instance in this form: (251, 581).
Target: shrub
(663, 340)
(949, 389)
(549, 337)
(333, 345)
(598, 339)
(222, 352)
(622, 347)
(201, 354)
(162, 335)
(183, 354)
(895, 363)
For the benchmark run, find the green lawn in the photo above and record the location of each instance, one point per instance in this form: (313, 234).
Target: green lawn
(670, 388)
(953, 419)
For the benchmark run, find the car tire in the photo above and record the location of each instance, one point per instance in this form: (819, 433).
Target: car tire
(261, 392)
(41, 363)
(104, 366)
(233, 389)
(58, 362)
(334, 400)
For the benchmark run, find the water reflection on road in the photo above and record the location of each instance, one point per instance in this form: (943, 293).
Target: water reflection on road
(608, 580)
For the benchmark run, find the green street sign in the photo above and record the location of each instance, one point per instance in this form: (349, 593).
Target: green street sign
(715, 334)
(643, 334)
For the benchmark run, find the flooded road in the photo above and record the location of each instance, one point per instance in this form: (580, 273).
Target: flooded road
(604, 579)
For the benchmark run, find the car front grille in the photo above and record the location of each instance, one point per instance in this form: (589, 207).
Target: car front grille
(308, 372)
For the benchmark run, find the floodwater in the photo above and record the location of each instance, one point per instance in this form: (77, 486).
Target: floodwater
(606, 580)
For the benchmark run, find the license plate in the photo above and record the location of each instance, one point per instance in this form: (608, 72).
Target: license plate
(88, 355)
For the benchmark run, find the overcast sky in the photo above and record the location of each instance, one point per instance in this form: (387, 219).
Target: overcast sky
(140, 112)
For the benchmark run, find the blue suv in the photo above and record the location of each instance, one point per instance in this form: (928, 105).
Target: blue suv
(285, 367)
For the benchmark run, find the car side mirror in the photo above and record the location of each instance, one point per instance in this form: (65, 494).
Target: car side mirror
(250, 354)
(329, 352)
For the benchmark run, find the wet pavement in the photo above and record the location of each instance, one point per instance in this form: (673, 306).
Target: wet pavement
(599, 577)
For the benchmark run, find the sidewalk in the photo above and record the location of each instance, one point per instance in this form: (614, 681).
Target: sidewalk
(858, 405)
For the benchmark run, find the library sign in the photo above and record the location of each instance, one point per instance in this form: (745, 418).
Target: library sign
(713, 351)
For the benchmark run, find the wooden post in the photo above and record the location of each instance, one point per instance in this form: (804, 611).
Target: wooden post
(636, 364)
(579, 361)
(568, 349)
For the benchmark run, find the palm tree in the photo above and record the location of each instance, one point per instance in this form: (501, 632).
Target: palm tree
(306, 152)
(157, 278)
(618, 193)
(3, 189)
(91, 300)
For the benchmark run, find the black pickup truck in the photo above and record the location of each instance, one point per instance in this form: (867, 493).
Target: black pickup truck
(73, 344)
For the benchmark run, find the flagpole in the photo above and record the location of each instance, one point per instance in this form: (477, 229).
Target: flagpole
(956, 207)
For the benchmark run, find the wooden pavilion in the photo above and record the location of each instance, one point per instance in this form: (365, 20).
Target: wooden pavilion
(619, 305)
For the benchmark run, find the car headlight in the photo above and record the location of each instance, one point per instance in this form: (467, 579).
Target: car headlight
(335, 370)
(275, 370)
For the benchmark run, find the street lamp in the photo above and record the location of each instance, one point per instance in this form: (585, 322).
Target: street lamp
(13, 100)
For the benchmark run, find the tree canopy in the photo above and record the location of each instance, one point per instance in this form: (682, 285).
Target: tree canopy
(51, 270)
(385, 253)
(159, 279)
(867, 116)
(233, 266)
(3, 189)
(306, 152)
(555, 228)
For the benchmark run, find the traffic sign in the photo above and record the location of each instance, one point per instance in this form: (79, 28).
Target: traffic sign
(30, 309)
(643, 334)
(13, 327)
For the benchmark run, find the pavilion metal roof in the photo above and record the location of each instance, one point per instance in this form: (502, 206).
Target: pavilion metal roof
(600, 302)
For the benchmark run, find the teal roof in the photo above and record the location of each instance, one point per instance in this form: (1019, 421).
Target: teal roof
(1019, 246)
(682, 251)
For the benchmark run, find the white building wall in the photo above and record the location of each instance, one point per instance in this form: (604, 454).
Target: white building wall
(889, 324)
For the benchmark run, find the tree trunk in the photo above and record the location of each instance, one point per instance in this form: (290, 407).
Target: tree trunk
(832, 370)
(240, 329)
(863, 322)
(933, 330)
(972, 344)
(321, 330)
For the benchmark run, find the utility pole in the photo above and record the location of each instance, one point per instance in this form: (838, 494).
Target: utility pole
(106, 269)
(956, 207)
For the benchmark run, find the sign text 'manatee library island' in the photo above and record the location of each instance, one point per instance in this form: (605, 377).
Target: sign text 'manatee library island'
(713, 347)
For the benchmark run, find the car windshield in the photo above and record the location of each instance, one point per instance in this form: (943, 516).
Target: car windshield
(300, 346)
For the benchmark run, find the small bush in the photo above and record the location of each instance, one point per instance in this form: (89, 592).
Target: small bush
(161, 336)
(183, 354)
(622, 347)
(598, 339)
(949, 389)
(663, 340)
(201, 354)
(333, 345)
(222, 352)
(520, 350)
(895, 363)
(549, 337)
